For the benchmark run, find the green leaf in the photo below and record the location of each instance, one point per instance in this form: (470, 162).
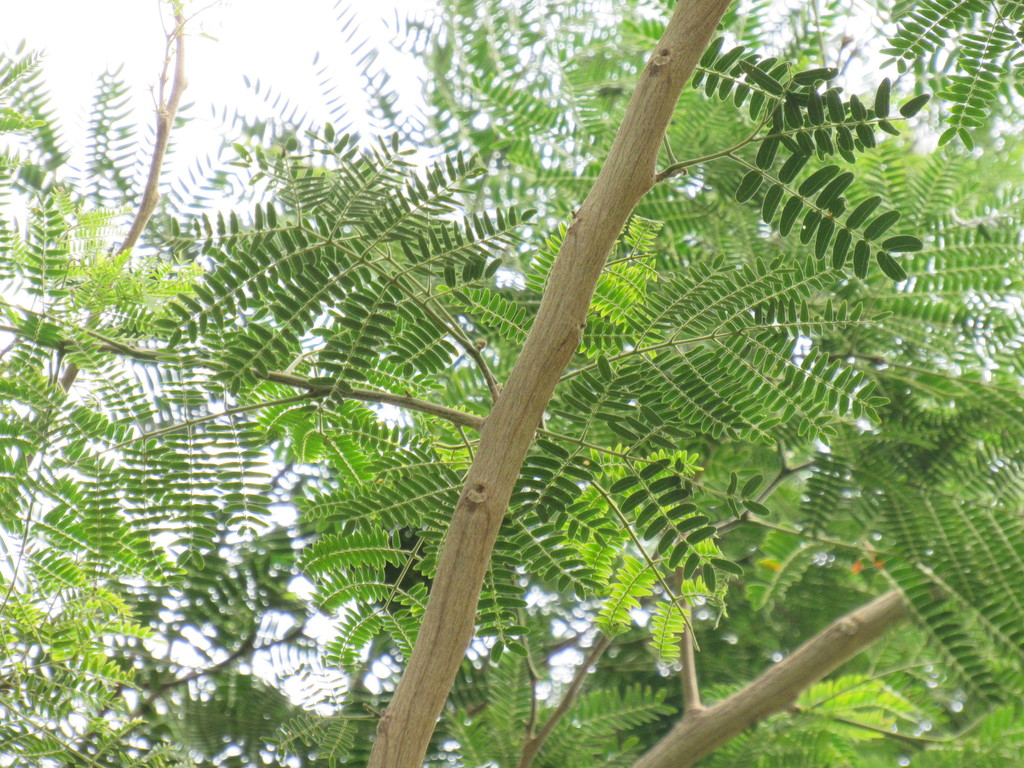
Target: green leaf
(792, 167)
(710, 579)
(860, 214)
(815, 108)
(865, 134)
(794, 114)
(840, 248)
(624, 484)
(882, 99)
(762, 79)
(752, 485)
(789, 213)
(857, 110)
(817, 180)
(890, 266)
(834, 189)
(836, 110)
(948, 135)
(771, 202)
(748, 186)
(701, 534)
(766, 152)
(727, 565)
(914, 105)
(861, 253)
(881, 224)
(757, 507)
(902, 244)
(824, 237)
(815, 76)
(709, 56)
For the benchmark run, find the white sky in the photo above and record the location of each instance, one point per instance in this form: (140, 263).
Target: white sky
(268, 40)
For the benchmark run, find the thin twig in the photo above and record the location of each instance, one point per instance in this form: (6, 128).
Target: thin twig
(247, 646)
(821, 35)
(534, 745)
(313, 390)
(165, 114)
(531, 670)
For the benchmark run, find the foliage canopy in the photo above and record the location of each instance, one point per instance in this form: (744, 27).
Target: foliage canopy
(799, 386)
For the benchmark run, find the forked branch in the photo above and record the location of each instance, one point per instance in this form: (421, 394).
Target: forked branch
(703, 732)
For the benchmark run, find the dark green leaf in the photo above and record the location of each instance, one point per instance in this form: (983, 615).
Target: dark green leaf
(824, 141)
(836, 110)
(882, 99)
(902, 244)
(834, 189)
(748, 186)
(914, 106)
(817, 180)
(861, 252)
(815, 108)
(865, 134)
(792, 167)
(862, 211)
(771, 202)
(881, 224)
(701, 534)
(727, 565)
(824, 237)
(766, 152)
(789, 213)
(890, 266)
(811, 220)
(757, 508)
(762, 79)
(730, 58)
(857, 110)
(815, 76)
(794, 115)
(710, 579)
(752, 485)
(711, 53)
(691, 565)
(840, 248)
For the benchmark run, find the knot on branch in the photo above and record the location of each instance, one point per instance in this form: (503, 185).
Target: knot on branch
(477, 493)
(848, 626)
(661, 58)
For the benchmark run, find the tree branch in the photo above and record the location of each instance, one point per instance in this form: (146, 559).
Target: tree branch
(628, 173)
(535, 744)
(313, 390)
(165, 113)
(246, 647)
(776, 690)
(460, 418)
(688, 673)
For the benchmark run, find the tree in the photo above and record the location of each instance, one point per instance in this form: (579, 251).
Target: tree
(759, 390)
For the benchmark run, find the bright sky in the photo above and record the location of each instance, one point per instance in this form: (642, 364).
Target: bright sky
(267, 40)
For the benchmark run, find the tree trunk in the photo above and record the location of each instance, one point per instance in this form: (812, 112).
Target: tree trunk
(629, 172)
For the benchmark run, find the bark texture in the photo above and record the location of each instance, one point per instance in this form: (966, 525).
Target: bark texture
(701, 733)
(629, 172)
